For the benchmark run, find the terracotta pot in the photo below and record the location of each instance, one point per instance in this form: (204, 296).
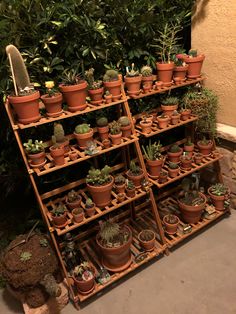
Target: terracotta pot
(180, 71)
(192, 214)
(163, 177)
(37, 159)
(101, 195)
(154, 167)
(175, 119)
(147, 81)
(177, 80)
(116, 138)
(90, 211)
(148, 117)
(75, 96)
(114, 88)
(168, 110)
(194, 66)
(173, 173)
(145, 89)
(120, 188)
(75, 204)
(158, 85)
(133, 85)
(205, 150)
(108, 99)
(217, 201)
(96, 95)
(189, 149)
(59, 221)
(130, 193)
(66, 145)
(73, 156)
(77, 217)
(26, 107)
(106, 143)
(82, 139)
(185, 115)
(146, 126)
(57, 154)
(163, 122)
(171, 228)
(165, 72)
(53, 104)
(186, 163)
(116, 258)
(85, 286)
(126, 131)
(121, 197)
(136, 179)
(198, 158)
(147, 245)
(103, 132)
(174, 157)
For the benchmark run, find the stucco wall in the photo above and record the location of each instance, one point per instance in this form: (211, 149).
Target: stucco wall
(214, 33)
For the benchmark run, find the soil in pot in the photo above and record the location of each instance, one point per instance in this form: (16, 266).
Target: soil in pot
(147, 239)
(192, 209)
(57, 153)
(133, 85)
(84, 278)
(75, 96)
(171, 223)
(59, 221)
(165, 72)
(53, 104)
(119, 183)
(101, 195)
(218, 200)
(173, 170)
(78, 214)
(135, 174)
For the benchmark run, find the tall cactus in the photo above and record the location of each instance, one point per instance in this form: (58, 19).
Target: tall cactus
(59, 134)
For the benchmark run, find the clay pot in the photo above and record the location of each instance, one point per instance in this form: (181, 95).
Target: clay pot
(114, 87)
(66, 145)
(90, 211)
(85, 286)
(217, 201)
(126, 131)
(145, 89)
(186, 164)
(173, 173)
(194, 66)
(53, 104)
(147, 245)
(73, 156)
(75, 204)
(101, 195)
(26, 107)
(154, 167)
(189, 149)
(59, 221)
(82, 139)
(158, 85)
(120, 188)
(78, 216)
(133, 85)
(147, 81)
(103, 132)
(37, 159)
(96, 95)
(163, 122)
(177, 80)
(205, 150)
(146, 126)
(185, 115)
(121, 197)
(163, 177)
(174, 157)
(168, 110)
(106, 143)
(108, 99)
(175, 119)
(130, 193)
(75, 96)
(116, 138)
(148, 117)
(198, 158)
(165, 72)
(136, 179)
(170, 228)
(57, 154)
(180, 71)
(192, 214)
(116, 258)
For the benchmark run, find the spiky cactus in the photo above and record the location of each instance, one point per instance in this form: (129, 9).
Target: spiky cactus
(124, 121)
(110, 75)
(82, 128)
(192, 53)
(114, 127)
(102, 121)
(58, 136)
(98, 177)
(146, 70)
(152, 151)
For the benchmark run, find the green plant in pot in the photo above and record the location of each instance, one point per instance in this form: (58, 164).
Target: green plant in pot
(52, 100)
(114, 242)
(100, 183)
(135, 173)
(89, 207)
(103, 128)
(173, 169)
(147, 239)
(125, 126)
(219, 193)
(95, 88)
(163, 121)
(61, 139)
(59, 144)
(78, 214)
(115, 132)
(73, 199)
(175, 117)
(154, 158)
(189, 147)
(83, 134)
(130, 188)
(36, 153)
(108, 97)
(112, 83)
(180, 69)
(147, 77)
(74, 90)
(205, 146)
(133, 81)
(186, 161)
(185, 112)
(84, 278)
(171, 223)
(174, 153)
(119, 183)
(58, 215)
(169, 104)
(146, 125)
(194, 62)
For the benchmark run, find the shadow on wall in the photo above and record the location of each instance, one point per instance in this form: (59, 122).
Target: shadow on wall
(199, 11)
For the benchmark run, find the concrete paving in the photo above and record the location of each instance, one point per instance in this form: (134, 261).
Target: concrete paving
(198, 277)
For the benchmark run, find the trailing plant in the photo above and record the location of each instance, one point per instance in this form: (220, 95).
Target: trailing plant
(82, 128)
(131, 72)
(171, 219)
(124, 121)
(72, 196)
(134, 168)
(146, 70)
(115, 127)
(110, 76)
(174, 149)
(92, 84)
(34, 147)
(102, 121)
(152, 151)
(59, 210)
(170, 101)
(98, 177)
(119, 179)
(25, 256)
(219, 189)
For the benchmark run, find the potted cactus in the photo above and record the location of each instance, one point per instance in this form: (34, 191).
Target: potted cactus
(133, 81)
(115, 132)
(89, 207)
(146, 125)
(174, 153)
(112, 84)
(180, 69)
(198, 158)
(154, 158)
(58, 215)
(186, 161)
(163, 121)
(52, 100)
(95, 88)
(205, 146)
(74, 90)
(147, 77)
(83, 134)
(125, 126)
(194, 62)
(163, 177)
(173, 169)
(219, 193)
(185, 112)
(100, 183)
(120, 197)
(130, 188)
(36, 153)
(171, 223)
(103, 128)
(73, 199)
(84, 279)
(169, 104)
(61, 139)
(114, 242)
(108, 97)
(175, 117)
(119, 183)
(147, 239)
(189, 147)
(57, 150)
(78, 214)
(106, 143)
(135, 174)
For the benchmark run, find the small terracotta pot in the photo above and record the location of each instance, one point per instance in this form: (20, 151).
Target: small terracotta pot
(173, 173)
(165, 72)
(59, 221)
(180, 71)
(77, 217)
(205, 150)
(175, 157)
(53, 104)
(145, 89)
(136, 179)
(198, 158)
(82, 139)
(90, 211)
(186, 114)
(57, 154)
(189, 149)
(154, 167)
(108, 99)
(186, 163)
(121, 197)
(116, 138)
(163, 177)
(133, 85)
(177, 80)
(148, 117)
(163, 122)
(75, 96)
(103, 132)
(192, 214)
(147, 245)
(171, 228)
(85, 286)
(120, 188)
(106, 143)
(194, 66)
(175, 119)
(147, 81)
(75, 204)
(73, 156)
(218, 201)
(130, 193)
(168, 110)
(126, 131)
(66, 145)
(101, 195)
(146, 126)
(37, 159)
(158, 85)
(114, 88)
(96, 95)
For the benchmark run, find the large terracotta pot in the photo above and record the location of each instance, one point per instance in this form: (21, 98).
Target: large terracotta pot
(26, 107)
(147, 245)
(103, 132)
(171, 228)
(175, 157)
(114, 87)
(96, 95)
(83, 138)
(154, 167)
(180, 71)
(126, 131)
(53, 104)
(85, 286)
(194, 66)
(116, 258)
(101, 194)
(57, 154)
(75, 96)
(169, 109)
(147, 81)
(205, 150)
(192, 214)
(165, 72)
(218, 201)
(136, 179)
(133, 85)
(37, 159)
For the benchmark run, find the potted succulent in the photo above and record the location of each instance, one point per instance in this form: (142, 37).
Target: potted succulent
(95, 88)
(108, 97)
(135, 174)
(163, 177)
(57, 151)
(198, 158)
(125, 126)
(73, 199)
(205, 146)
(78, 214)
(52, 100)
(171, 223)
(154, 158)
(89, 207)
(189, 147)
(180, 69)
(130, 188)
(103, 128)
(146, 125)
(58, 215)
(100, 183)
(147, 239)
(169, 104)
(218, 193)
(186, 161)
(115, 132)
(36, 153)
(83, 134)
(147, 77)
(132, 81)
(174, 153)
(120, 197)
(194, 62)
(61, 139)
(175, 117)
(84, 279)
(114, 242)
(74, 90)
(112, 84)
(106, 143)
(173, 169)
(185, 113)
(191, 201)
(163, 121)
(119, 183)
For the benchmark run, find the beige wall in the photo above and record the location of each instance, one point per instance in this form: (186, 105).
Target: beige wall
(214, 33)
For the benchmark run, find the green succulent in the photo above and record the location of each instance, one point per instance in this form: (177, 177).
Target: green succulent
(59, 210)
(119, 179)
(89, 203)
(146, 70)
(135, 169)
(111, 75)
(115, 127)
(192, 53)
(34, 147)
(82, 128)
(131, 72)
(102, 121)
(99, 177)
(130, 185)
(25, 256)
(170, 101)
(219, 189)
(72, 196)
(173, 165)
(174, 149)
(152, 151)
(124, 121)
(71, 77)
